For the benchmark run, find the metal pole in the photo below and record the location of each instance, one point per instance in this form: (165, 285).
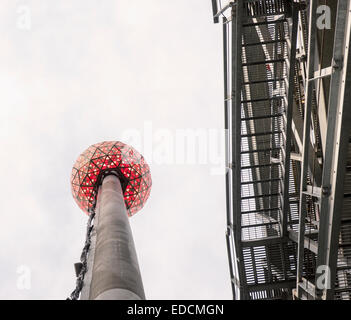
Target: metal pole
(115, 273)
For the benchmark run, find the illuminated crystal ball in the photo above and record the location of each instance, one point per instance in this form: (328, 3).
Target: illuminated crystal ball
(111, 157)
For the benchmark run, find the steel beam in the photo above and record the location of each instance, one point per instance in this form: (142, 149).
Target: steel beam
(222, 10)
(215, 11)
(310, 244)
(337, 140)
(288, 128)
(229, 237)
(236, 65)
(306, 139)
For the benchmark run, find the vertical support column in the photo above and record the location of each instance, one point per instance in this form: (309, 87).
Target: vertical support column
(337, 140)
(214, 11)
(289, 115)
(306, 139)
(115, 274)
(229, 231)
(236, 65)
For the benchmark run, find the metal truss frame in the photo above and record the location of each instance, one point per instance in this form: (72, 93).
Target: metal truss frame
(329, 195)
(302, 212)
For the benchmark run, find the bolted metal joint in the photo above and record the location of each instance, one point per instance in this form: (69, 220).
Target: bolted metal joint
(337, 64)
(326, 190)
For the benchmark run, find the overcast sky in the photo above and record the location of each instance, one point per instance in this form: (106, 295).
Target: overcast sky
(77, 72)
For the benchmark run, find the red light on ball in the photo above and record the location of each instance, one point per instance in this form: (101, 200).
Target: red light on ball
(111, 157)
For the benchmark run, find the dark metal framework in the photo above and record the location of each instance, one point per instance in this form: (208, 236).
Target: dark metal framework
(288, 154)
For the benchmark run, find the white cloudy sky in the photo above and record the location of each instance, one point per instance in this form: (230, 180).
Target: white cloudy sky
(85, 71)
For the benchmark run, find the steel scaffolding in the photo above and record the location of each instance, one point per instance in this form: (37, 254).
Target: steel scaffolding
(288, 149)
